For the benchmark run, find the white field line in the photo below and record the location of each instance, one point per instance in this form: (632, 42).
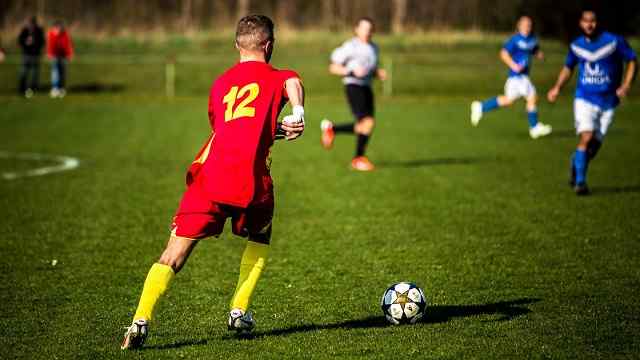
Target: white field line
(64, 163)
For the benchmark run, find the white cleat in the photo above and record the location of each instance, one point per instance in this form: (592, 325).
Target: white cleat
(540, 130)
(241, 322)
(54, 93)
(476, 112)
(136, 335)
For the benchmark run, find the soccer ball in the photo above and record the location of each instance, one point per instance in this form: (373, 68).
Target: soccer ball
(403, 303)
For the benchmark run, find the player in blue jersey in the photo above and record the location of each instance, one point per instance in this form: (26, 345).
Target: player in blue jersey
(516, 54)
(602, 80)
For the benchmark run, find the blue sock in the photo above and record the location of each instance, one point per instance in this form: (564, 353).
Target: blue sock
(580, 164)
(490, 104)
(532, 116)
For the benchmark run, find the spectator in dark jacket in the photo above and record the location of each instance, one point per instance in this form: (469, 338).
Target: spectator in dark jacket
(31, 41)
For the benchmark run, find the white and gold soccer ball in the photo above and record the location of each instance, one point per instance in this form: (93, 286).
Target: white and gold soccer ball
(403, 303)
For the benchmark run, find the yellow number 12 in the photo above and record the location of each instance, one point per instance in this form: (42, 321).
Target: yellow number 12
(242, 110)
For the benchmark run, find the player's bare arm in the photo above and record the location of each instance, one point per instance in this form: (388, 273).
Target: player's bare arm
(341, 70)
(563, 78)
(293, 125)
(338, 69)
(508, 60)
(627, 80)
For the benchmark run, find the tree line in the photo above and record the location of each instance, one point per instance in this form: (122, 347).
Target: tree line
(553, 17)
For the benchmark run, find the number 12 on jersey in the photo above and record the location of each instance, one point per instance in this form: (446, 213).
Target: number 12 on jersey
(243, 109)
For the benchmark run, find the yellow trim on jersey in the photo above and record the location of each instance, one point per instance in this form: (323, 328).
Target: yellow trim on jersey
(205, 153)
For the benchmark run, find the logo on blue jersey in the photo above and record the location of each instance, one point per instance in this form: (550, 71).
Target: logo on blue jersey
(594, 75)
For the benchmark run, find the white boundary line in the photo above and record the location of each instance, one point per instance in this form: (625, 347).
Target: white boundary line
(65, 163)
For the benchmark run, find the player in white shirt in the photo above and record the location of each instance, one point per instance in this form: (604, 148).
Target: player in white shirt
(356, 61)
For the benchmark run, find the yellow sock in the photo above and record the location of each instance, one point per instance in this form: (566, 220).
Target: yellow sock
(154, 286)
(253, 259)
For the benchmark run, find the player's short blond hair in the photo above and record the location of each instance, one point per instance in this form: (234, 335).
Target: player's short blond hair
(253, 32)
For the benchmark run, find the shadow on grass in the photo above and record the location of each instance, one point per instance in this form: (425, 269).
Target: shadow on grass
(605, 190)
(506, 310)
(95, 88)
(175, 345)
(563, 134)
(435, 162)
(572, 133)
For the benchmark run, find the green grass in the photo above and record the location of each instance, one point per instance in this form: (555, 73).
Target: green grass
(513, 263)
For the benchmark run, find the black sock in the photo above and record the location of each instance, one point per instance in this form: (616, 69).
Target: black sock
(361, 144)
(343, 128)
(593, 147)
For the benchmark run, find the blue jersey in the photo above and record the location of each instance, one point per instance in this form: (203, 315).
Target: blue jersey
(600, 66)
(521, 48)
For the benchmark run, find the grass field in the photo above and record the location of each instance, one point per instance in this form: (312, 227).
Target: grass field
(513, 263)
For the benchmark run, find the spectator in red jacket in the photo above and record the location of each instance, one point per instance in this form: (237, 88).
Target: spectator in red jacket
(59, 50)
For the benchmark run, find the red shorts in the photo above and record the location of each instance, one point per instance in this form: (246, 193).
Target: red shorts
(197, 217)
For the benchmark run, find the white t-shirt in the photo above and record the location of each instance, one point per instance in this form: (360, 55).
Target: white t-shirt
(354, 53)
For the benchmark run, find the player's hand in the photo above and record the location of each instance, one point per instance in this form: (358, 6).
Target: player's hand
(360, 71)
(540, 55)
(517, 68)
(293, 125)
(382, 74)
(622, 91)
(552, 95)
(293, 130)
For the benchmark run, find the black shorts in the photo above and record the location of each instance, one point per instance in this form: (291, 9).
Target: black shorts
(361, 100)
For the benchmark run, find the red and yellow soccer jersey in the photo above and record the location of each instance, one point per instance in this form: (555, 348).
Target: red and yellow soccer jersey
(244, 104)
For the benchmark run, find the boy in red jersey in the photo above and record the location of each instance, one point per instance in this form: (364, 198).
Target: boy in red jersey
(230, 175)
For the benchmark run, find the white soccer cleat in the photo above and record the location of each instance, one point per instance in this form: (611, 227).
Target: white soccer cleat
(136, 335)
(240, 321)
(54, 93)
(539, 130)
(476, 112)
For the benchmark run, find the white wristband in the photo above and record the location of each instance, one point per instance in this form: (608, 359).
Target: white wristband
(298, 111)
